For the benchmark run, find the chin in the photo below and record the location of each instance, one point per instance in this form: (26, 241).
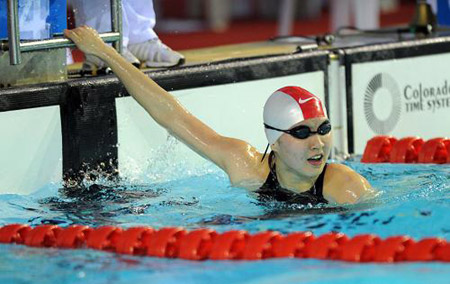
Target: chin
(313, 171)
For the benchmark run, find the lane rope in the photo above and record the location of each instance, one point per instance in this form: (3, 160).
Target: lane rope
(388, 149)
(204, 244)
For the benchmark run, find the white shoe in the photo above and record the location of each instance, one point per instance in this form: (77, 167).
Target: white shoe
(156, 54)
(93, 65)
(130, 57)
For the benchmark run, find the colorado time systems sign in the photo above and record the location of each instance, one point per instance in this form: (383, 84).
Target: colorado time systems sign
(420, 98)
(409, 98)
(378, 82)
(400, 97)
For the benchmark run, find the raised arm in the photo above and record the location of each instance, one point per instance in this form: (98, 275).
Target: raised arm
(232, 155)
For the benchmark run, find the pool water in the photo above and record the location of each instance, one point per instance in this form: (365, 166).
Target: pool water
(412, 200)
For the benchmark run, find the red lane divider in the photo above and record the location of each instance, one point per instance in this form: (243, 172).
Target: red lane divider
(387, 149)
(202, 244)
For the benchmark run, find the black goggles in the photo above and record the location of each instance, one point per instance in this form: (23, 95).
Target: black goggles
(303, 131)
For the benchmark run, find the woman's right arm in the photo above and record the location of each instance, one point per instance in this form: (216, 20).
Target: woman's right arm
(232, 155)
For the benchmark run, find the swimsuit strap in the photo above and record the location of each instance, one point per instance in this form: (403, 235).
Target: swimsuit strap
(318, 185)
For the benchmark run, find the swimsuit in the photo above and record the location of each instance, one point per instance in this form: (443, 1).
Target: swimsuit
(272, 190)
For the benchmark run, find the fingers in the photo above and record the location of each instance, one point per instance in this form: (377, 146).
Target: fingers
(72, 35)
(91, 29)
(68, 33)
(86, 38)
(77, 31)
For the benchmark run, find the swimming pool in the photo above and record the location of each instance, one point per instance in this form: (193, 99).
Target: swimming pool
(166, 184)
(413, 200)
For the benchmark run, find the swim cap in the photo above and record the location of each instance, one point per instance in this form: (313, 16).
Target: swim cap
(288, 106)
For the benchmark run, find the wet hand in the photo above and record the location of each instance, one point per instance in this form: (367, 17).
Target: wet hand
(86, 39)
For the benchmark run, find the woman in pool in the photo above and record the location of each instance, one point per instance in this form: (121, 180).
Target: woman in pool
(296, 127)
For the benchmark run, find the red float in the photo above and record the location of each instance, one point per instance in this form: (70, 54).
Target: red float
(104, 238)
(165, 242)
(325, 246)
(73, 237)
(359, 249)
(14, 233)
(378, 149)
(132, 240)
(42, 236)
(292, 245)
(406, 150)
(196, 245)
(434, 151)
(260, 245)
(392, 249)
(229, 245)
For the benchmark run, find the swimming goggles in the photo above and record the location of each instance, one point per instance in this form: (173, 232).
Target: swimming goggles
(303, 131)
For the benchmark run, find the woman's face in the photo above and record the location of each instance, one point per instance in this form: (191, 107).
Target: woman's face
(307, 156)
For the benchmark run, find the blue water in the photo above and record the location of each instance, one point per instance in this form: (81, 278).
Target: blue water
(413, 200)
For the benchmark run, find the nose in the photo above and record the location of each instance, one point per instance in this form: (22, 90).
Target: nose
(315, 142)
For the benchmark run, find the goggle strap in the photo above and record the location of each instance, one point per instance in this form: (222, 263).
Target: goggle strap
(265, 152)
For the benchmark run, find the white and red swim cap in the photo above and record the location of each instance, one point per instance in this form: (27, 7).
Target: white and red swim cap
(288, 106)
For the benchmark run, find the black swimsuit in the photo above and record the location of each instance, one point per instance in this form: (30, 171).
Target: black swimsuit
(272, 190)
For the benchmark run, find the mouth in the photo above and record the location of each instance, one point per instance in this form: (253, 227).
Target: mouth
(316, 160)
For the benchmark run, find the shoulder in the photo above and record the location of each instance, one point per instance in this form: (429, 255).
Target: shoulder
(244, 165)
(344, 185)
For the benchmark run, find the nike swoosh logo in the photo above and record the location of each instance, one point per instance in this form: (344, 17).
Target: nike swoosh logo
(300, 101)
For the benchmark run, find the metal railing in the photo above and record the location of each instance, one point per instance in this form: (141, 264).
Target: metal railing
(15, 47)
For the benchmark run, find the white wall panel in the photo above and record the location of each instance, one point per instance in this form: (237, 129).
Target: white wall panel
(30, 149)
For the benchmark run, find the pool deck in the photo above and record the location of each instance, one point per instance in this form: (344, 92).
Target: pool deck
(221, 53)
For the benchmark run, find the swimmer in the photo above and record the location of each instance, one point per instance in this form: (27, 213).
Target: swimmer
(296, 125)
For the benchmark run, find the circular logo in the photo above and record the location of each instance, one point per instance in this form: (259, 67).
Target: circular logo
(382, 82)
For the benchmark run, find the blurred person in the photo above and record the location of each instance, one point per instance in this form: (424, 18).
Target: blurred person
(365, 14)
(140, 43)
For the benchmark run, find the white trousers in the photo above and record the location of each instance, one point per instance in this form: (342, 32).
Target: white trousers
(366, 13)
(138, 18)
